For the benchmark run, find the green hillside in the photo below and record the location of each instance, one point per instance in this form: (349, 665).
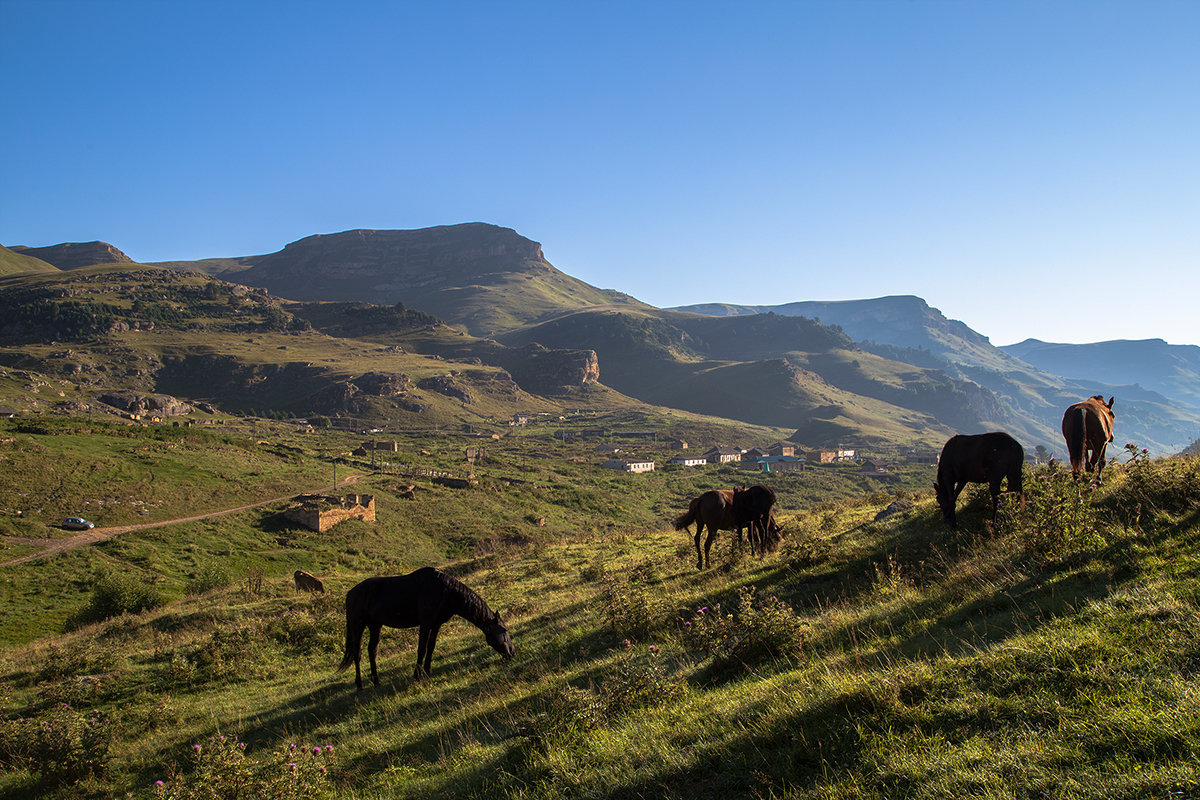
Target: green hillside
(865, 658)
(790, 372)
(12, 263)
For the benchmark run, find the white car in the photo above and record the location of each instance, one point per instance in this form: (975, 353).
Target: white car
(77, 524)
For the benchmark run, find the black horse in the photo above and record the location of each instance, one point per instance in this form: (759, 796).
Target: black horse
(754, 507)
(984, 458)
(428, 598)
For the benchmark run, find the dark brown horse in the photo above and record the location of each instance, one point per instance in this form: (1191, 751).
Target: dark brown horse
(755, 507)
(715, 510)
(1088, 428)
(427, 598)
(985, 458)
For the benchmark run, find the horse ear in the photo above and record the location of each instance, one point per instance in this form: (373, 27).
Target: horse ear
(495, 616)
(1110, 402)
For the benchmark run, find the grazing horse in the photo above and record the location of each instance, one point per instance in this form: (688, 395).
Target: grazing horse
(754, 507)
(715, 510)
(427, 598)
(1088, 428)
(308, 583)
(985, 458)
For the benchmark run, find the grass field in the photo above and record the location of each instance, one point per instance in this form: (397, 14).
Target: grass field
(1055, 657)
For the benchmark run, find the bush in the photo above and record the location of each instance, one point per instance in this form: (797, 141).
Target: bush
(207, 578)
(1057, 517)
(117, 594)
(62, 745)
(757, 629)
(221, 770)
(633, 610)
(639, 679)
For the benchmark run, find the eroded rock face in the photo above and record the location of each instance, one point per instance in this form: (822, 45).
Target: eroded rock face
(541, 370)
(161, 405)
(447, 385)
(381, 384)
(73, 255)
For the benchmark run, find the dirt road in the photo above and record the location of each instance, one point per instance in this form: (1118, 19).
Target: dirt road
(55, 546)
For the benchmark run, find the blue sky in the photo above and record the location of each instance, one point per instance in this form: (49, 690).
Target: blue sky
(1031, 168)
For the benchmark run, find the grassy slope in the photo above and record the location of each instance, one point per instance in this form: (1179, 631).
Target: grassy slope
(929, 664)
(13, 263)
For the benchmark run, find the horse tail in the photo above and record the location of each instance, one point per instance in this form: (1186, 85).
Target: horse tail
(1076, 439)
(354, 631)
(689, 516)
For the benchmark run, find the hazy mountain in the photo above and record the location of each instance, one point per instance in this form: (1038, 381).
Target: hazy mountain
(481, 276)
(1171, 370)
(907, 329)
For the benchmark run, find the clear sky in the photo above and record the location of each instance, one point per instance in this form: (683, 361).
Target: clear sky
(1030, 168)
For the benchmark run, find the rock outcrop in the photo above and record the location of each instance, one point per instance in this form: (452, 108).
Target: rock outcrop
(158, 405)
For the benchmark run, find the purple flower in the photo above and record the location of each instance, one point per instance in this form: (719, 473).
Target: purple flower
(158, 783)
(317, 750)
(626, 644)
(328, 747)
(196, 747)
(703, 609)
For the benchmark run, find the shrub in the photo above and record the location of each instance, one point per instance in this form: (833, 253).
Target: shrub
(639, 679)
(221, 770)
(633, 610)
(207, 578)
(1057, 517)
(116, 594)
(62, 745)
(756, 629)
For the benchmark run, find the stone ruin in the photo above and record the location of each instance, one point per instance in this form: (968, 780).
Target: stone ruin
(321, 512)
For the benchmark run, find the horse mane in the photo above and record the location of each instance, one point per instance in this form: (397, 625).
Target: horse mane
(473, 608)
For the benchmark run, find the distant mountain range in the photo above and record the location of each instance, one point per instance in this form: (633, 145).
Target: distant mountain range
(888, 370)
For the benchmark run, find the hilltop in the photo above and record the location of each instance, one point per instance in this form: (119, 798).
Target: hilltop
(483, 277)
(73, 255)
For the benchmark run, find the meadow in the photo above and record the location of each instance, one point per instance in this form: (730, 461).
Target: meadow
(1053, 657)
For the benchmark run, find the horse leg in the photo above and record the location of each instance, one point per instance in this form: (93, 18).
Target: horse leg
(699, 556)
(422, 646)
(712, 534)
(371, 645)
(1100, 462)
(433, 634)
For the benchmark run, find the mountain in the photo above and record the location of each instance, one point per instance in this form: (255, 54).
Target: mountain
(900, 321)
(12, 263)
(769, 369)
(1171, 370)
(73, 255)
(132, 332)
(484, 277)
(1154, 412)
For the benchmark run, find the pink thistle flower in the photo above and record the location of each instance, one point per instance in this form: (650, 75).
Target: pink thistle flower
(317, 750)
(158, 783)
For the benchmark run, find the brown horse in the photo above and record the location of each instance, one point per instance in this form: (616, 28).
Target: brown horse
(985, 458)
(1088, 428)
(715, 510)
(427, 598)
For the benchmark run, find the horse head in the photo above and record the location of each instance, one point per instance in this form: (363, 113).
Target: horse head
(945, 499)
(498, 638)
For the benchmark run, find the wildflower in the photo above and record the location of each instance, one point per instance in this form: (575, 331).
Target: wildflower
(196, 747)
(292, 746)
(702, 609)
(328, 748)
(654, 649)
(317, 750)
(292, 765)
(626, 644)
(687, 624)
(158, 783)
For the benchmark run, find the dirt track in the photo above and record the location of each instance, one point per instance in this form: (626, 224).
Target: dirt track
(55, 546)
